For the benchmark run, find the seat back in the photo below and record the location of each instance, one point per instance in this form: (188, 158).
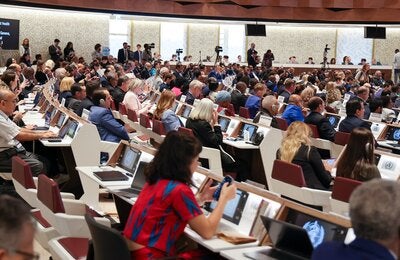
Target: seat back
(185, 130)
(231, 109)
(122, 109)
(144, 120)
(158, 127)
(343, 187)
(289, 173)
(49, 194)
(244, 112)
(132, 115)
(341, 138)
(314, 130)
(107, 242)
(21, 172)
(282, 124)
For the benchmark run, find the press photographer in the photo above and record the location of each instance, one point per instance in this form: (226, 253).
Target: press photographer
(147, 56)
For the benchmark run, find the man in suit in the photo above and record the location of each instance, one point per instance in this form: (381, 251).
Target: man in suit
(325, 129)
(363, 95)
(55, 51)
(374, 214)
(251, 55)
(87, 102)
(123, 54)
(354, 118)
(137, 55)
(78, 94)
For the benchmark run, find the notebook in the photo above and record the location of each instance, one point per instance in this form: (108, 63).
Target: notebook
(138, 182)
(47, 119)
(289, 241)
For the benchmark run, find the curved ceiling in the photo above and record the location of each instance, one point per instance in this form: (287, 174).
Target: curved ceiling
(337, 11)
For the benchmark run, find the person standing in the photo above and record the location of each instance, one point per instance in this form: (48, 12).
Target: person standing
(25, 48)
(123, 54)
(251, 55)
(396, 65)
(137, 55)
(55, 51)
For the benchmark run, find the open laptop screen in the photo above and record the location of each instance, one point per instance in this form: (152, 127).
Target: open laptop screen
(318, 230)
(333, 119)
(186, 111)
(61, 119)
(129, 159)
(252, 129)
(393, 134)
(139, 180)
(224, 123)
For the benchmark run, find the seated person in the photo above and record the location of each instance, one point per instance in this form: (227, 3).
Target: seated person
(296, 148)
(253, 103)
(374, 214)
(357, 160)
(195, 87)
(100, 115)
(87, 102)
(164, 112)
(354, 118)
(270, 107)
(12, 135)
(65, 89)
(17, 229)
(78, 94)
(203, 120)
(325, 129)
(388, 113)
(294, 110)
(238, 96)
(167, 204)
(223, 99)
(131, 98)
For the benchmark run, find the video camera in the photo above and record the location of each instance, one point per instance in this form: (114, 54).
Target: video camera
(149, 46)
(218, 49)
(326, 48)
(179, 51)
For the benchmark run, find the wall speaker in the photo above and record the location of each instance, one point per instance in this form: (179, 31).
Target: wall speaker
(375, 32)
(255, 30)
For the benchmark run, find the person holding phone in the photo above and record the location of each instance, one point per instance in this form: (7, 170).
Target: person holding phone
(167, 204)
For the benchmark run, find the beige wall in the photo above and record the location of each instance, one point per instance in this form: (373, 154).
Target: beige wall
(301, 42)
(146, 32)
(42, 27)
(204, 38)
(384, 49)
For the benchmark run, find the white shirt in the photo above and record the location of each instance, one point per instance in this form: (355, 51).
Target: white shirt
(9, 130)
(396, 61)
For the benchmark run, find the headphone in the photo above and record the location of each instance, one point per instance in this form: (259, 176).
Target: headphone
(102, 103)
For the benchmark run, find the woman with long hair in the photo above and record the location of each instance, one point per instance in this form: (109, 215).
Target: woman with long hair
(167, 204)
(165, 113)
(25, 48)
(296, 148)
(357, 160)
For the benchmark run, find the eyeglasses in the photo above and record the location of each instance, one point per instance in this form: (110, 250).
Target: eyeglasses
(27, 256)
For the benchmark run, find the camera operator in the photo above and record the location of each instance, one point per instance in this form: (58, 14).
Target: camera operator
(147, 56)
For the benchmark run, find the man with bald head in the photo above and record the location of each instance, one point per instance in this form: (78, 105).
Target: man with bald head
(269, 108)
(11, 135)
(294, 111)
(325, 129)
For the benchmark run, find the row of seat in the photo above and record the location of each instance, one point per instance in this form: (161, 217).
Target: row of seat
(64, 224)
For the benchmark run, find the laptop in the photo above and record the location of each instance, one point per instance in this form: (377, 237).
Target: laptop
(127, 161)
(47, 119)
(289, 242)
(138, 182)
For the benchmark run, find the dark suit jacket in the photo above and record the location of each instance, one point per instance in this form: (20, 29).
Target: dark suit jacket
(314, 172)
(86, 103)
(121, 56)
(238, 100)
(325, 129)
(53, 52)
(205, 133)
(350, 122)
(359, 249)
(136, 55)
(250, 59)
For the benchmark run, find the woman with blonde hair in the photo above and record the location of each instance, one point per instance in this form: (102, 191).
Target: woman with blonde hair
(65, 89)
(203, 120)
(296, 148)
(165, 113)
(333, 96)
(307, 94)
(131, 99)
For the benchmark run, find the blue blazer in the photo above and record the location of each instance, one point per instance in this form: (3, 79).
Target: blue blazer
(109, 128)
(359, 249)
(170, 121)
(350, 122)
